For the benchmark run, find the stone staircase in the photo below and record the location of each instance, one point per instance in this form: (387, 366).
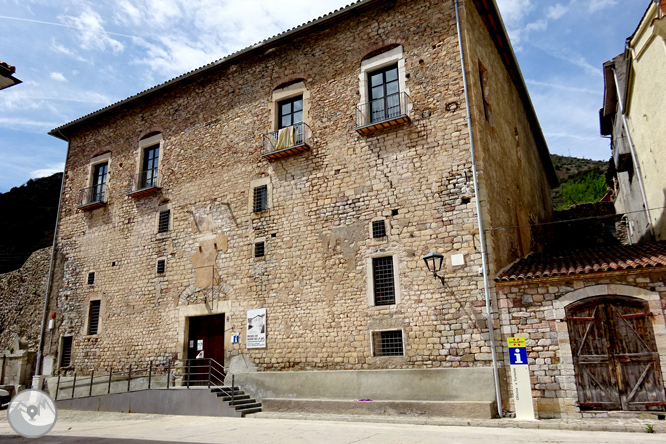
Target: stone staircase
(238, 399)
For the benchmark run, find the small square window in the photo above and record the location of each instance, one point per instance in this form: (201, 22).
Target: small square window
(387, 343)
(378, 229)
(66, 355)
(93, 317)
(260, 201)
(163, 225)
(382, 275)
(259, 249)
(91, 278)
(161, 266)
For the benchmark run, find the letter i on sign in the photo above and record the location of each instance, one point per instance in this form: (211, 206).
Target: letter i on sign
(518, 358)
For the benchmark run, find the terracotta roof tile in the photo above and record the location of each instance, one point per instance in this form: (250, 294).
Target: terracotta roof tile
(590, 260)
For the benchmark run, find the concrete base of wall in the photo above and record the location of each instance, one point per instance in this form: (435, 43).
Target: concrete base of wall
(452, 409)
(449, 384)
(180, 401)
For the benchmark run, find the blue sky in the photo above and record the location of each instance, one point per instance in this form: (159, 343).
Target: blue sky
(77, 56)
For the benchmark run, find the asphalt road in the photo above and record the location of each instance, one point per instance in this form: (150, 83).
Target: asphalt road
(95, 427)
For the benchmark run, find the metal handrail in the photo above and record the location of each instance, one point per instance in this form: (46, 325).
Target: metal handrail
(382, 109)
(213, 372)
(289, 137)
(92, 195)
(145, 180)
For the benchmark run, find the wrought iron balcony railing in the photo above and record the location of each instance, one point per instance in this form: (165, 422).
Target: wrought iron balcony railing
(92, 197)
(287, 141)
(147, 182)
(382, 113)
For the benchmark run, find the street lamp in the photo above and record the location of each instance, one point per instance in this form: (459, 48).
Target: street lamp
(434, 263)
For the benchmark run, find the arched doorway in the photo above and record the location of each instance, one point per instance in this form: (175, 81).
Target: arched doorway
(615, 354)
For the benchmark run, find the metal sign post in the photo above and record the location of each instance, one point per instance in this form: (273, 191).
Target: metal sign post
(520, 378)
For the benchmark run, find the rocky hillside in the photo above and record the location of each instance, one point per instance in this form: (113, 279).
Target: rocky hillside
(581, 180)
(28, 222)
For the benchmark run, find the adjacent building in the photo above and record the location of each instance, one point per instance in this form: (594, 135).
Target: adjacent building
(271, 210)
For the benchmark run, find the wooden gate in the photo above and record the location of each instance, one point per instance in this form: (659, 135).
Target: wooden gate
(615, 355)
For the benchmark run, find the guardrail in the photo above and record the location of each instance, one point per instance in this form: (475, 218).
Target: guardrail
(386, 109)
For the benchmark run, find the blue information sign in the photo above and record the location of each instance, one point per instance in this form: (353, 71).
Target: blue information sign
(518, 356)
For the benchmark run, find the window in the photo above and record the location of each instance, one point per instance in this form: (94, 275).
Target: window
(66, 354)
(260, 200)
(93, 317)
(259, 249)
(387, 343)
(163, 224)
(98, 188)
(382, 275)
(161, 266)
(151, 157)
(384, 89)
(378, 229)
(91, 278)
(290, 112)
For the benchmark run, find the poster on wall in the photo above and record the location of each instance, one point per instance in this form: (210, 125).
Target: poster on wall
(256, 328)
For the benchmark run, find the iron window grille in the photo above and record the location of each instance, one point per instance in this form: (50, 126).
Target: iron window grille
(91, 278)
(161, 266)
(382, 275)
(259, 249)
(93, 317)
(66, 355)
(260, 201)
(163, 225)
(387, 343)
(378, 229)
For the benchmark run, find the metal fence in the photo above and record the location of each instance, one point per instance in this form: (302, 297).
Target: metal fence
(146, 180)
(383, 109)
(296, 135)
(92, 195)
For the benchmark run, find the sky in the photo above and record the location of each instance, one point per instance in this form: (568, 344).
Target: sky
(77, 56)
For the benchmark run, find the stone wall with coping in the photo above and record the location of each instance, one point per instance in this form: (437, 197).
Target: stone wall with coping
(535, 310)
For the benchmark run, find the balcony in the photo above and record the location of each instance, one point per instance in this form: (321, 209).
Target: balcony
(146, 183)
(382, 113)
(287, 141)
(92, 197)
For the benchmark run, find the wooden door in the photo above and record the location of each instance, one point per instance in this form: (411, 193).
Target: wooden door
(205, 341)
(615, 355)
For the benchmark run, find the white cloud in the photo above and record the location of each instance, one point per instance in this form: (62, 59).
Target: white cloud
(91, 31)
(13, 122)
(556, 12)
(597, 5)
(513, 11)
(539, 25)
(58, 77)
(50, 170)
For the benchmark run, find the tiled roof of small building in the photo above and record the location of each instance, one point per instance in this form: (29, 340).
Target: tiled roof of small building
(586, 261)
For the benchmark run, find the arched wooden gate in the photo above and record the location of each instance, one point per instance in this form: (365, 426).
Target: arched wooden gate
(615, 355)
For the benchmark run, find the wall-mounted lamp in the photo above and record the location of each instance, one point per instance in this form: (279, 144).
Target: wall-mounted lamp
(434, 262)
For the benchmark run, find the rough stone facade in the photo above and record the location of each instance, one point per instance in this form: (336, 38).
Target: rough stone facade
(315, 276)
(535, 310)
(22, 301)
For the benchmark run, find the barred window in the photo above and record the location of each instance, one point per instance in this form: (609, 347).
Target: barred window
(378, 229)
(91, 278)
(93, 317)
(259, 249)
(387, 343)
(382, 274)
(163, 225)
(260, 198)
(161, 266)
(66, 355)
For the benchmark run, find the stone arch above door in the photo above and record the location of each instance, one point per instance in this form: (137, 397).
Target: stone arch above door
(651, 297)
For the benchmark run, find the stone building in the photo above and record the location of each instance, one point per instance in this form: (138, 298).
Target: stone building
(633, 116)
(292, 188)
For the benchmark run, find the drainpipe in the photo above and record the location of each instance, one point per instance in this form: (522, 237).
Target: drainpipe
(634, 157)
(45, 315)
(482, 237)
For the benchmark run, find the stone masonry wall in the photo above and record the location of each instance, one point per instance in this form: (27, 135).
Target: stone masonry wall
(535, 310)
(313, 280)
(22, 300)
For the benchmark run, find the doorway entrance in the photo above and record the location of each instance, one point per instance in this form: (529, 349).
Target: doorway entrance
(205, 341)
(615, 355)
